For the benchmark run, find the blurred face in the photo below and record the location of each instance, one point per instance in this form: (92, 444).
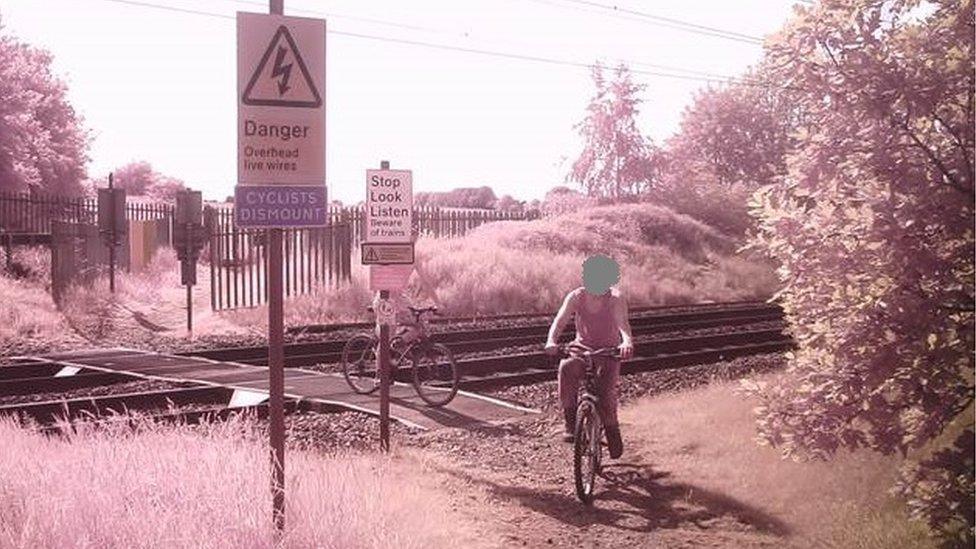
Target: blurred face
(599, 274)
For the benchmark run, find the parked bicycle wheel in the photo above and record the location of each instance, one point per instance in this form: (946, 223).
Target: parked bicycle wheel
(435, 375)
(359, 364)
(586, 451)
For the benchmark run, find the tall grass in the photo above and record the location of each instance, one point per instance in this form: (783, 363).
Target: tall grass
(177, 486)
(665, 258)
(28, 317)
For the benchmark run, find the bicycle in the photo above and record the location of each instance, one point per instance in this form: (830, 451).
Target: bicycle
(588, 432)
(435, 374)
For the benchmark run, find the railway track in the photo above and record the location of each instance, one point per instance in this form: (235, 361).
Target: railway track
(480, 340)
(191, 404)
(645, 310)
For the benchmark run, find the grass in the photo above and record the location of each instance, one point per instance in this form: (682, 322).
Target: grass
(207, 486)
(706, 438)
(28, 316)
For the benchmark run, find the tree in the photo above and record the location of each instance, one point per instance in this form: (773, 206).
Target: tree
(139, 179)
(560, 200)
(616, 160)
(873, 227)
(733, 139)
(42, 143)
(465, 197)
(737, 134)
(508, 204)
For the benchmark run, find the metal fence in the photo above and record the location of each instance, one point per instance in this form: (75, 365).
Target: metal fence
(32, 212)
(439, 222)
(313, 257)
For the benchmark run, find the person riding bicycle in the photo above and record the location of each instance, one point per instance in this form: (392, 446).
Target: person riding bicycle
(601, 321)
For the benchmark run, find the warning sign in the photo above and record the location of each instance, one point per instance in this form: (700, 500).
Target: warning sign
(389, 206)
(280, 100)
(285, 82)
(387, 254)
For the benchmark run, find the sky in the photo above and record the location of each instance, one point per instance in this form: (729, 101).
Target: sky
(160, 84)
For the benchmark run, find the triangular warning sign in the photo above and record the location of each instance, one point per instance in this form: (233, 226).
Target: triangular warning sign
(282, 79)
(371, 254)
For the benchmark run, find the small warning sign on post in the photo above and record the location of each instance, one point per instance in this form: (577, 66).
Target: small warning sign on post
(377, 253)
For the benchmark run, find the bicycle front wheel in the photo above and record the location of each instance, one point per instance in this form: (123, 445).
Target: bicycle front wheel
(435, 375)
(359, 364)
(586, 451)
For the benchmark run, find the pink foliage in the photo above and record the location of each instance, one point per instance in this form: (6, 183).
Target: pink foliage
(42, 142)
(139, 179)
(873, 227)
(733, 139)
(617, 160)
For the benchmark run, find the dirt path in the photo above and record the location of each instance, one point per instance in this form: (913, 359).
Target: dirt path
(692, 475)
(518, 478)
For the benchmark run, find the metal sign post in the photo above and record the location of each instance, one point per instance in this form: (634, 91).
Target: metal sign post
(188, 240)
(111, 223)
(280, 169)
(383, 367)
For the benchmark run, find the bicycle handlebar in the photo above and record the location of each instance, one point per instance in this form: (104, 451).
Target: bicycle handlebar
(578, 349)
(418, 311)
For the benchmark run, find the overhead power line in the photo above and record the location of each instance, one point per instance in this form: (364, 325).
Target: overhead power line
(658, 20)
(695, 76)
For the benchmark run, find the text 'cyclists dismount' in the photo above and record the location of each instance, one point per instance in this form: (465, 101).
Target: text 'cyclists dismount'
(281, 121)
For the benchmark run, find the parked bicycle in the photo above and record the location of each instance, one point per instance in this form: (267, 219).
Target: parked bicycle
(435, 374)
(588, 434)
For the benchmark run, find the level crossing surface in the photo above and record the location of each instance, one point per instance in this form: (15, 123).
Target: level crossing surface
(250, 385)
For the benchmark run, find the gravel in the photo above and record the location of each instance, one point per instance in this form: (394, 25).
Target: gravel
(510, 444)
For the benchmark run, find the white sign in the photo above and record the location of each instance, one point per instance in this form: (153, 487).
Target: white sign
(385, 312)
(389, 206)
(280, 100)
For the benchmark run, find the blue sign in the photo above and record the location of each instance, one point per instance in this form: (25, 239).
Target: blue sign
(280, 206)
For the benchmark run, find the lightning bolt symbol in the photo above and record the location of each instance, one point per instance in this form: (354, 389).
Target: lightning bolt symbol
(282, 70)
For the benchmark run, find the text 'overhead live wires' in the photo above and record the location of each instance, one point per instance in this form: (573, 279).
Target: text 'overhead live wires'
(690, 75)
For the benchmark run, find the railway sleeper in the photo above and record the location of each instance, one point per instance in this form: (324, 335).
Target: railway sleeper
(70, 409)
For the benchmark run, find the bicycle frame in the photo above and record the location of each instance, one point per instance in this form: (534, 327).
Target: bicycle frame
(589, 423)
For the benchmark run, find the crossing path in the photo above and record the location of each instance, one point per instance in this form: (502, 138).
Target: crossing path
(250, 386)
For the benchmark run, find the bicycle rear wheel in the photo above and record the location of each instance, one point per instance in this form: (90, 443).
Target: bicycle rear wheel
(435, 375)
(586, 451)
(359, 364)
